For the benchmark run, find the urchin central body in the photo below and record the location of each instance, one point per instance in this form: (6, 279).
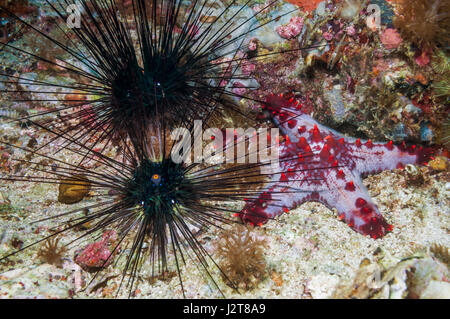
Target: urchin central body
(159, 186)
(157, 88)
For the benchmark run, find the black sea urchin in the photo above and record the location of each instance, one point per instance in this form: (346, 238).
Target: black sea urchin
(131, 61)
(151, 205)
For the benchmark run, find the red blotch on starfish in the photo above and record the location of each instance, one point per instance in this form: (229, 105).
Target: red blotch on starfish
(350, 186)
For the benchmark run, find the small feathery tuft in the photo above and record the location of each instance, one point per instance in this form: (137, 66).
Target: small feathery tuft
(51, 253)
(242, 256)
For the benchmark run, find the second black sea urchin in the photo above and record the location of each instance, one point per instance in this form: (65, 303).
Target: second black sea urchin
(128, 62)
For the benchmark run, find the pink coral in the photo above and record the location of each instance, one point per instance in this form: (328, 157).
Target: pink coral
(239, 88)
(253, 45)
(351, 31)
(327, 36)
(422, 58)
(391, 39)
(247, 67)
(264, 7)
(97, 255)
(292, 29)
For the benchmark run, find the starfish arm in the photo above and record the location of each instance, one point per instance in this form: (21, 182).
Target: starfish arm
(373, 158)
(354, 205)
(274, 201)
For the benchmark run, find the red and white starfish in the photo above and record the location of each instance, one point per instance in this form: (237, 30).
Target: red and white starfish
(320, 164)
